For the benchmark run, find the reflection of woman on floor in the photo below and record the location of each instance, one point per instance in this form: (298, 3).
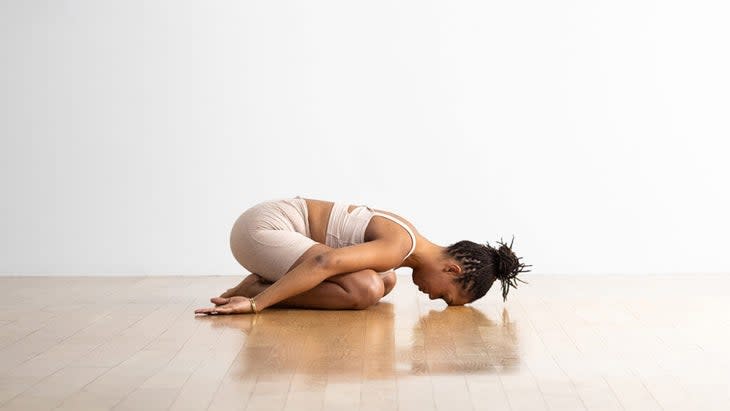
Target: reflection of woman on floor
(318, 254)
(365, 343)
(464, 340)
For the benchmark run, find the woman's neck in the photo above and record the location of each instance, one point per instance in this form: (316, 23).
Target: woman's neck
(425, 251)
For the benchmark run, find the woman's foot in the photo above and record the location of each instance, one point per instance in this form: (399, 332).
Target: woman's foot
(244, 288)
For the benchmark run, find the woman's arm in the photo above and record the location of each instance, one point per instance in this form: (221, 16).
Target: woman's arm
(379, 255)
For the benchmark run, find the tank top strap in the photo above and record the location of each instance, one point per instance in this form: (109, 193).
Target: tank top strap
(404, 225)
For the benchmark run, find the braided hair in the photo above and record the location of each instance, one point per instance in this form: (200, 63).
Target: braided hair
(482, 264)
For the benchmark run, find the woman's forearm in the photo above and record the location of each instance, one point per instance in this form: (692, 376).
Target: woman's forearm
(303, 277)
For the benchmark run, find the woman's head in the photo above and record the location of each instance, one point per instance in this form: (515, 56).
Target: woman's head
(466, 270)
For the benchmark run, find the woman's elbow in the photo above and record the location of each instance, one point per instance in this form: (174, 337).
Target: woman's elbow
(321, 260)
(324, 265)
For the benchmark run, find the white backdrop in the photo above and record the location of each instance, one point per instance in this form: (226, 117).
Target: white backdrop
(134, 133)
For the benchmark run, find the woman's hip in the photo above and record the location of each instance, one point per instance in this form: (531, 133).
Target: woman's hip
(267, 238)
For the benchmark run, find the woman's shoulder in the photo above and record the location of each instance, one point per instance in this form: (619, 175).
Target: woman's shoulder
(399, 217)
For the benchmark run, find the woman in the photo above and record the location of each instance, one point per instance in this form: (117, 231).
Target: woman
(310, 253)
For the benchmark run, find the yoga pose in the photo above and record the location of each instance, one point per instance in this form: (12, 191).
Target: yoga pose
(311, 253)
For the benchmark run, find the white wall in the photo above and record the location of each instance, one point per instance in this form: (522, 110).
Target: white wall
(134, 133)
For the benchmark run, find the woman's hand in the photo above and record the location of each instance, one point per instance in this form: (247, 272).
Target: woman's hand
(227, 305)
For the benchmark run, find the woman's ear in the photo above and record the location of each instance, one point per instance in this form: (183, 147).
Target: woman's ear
(453, 268)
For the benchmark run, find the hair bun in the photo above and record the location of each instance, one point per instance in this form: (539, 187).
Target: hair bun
(508, 266)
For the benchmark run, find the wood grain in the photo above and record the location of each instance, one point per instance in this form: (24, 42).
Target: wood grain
(593, 342)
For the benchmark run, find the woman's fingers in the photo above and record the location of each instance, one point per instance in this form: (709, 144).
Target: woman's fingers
(220, 308)
(226, 305)
(206, 310)
(214, 310)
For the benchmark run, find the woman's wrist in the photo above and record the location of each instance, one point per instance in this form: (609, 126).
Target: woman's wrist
(253, 305)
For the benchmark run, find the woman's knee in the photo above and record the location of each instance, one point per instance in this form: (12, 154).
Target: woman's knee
(389, 280)
(364, 288)
(371, 289)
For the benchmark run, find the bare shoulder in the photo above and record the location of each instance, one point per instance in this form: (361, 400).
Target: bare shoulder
(399, 217)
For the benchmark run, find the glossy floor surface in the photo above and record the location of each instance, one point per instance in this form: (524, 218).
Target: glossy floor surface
(560, 342)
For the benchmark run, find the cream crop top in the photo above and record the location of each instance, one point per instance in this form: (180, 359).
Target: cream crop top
(345, 229)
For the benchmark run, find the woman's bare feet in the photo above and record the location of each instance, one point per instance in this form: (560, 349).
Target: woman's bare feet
(244, 288)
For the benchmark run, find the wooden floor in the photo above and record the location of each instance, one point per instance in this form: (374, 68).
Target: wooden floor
(560, 342)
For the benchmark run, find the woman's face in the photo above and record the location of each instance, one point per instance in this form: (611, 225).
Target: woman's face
(437, 280)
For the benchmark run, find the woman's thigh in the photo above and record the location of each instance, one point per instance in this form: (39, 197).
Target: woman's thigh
(268, 238)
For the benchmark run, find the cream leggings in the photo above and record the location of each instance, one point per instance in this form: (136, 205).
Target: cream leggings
(270, 236)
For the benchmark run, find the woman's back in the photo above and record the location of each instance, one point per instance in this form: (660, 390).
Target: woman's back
(320, 212)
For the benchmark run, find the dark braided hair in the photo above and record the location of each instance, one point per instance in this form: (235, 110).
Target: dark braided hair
(483, 264)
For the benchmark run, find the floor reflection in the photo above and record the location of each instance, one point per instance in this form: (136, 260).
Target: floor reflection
(461, 340)
(374, 343)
